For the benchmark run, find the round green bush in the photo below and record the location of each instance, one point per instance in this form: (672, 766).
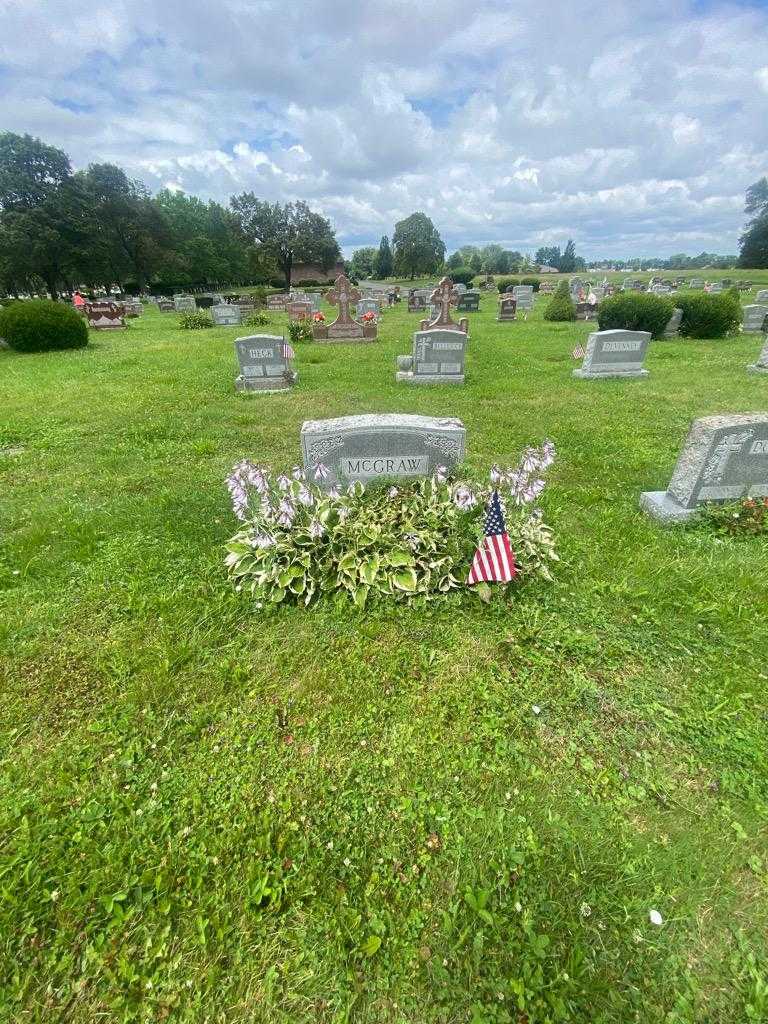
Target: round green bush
(533, 281)
(503, 283)
(39, 325)
(462, 275)
(707, 316)
(561, 305)
(635, 311)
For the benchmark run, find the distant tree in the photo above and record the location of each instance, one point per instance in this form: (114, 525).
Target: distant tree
(383, 265)
(455, 260)
(287, 234)
(361, 264)
(754, 242)
(476, 263)
(493, 260)
(419, 249)
(30, 171)
(549, 256)
(567, 263)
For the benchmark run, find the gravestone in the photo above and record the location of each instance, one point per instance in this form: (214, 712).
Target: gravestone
(443, 299)
(166, 305)
(715, 288)
(523, 293)
(754, 317)
(598, 291)
(184, 303)
(586, 310)
(507, 308)
(133, 308)
(761, 366)
(298, 310)
(277, 302)
(438, 358)
(344, 327)
(762, 295)
(225, 315)
(614, 354)
(264, 365)
(416, 304)
(546, 287)
(368, 306)
(314, 300)
(460, 288)
(469, 302)
(724, 458)
(394, 445)
(105, 316)
(696, 282)
(672, 330)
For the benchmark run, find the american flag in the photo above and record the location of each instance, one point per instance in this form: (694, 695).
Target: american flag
(494, 560)
(579, 352)
(288, 352)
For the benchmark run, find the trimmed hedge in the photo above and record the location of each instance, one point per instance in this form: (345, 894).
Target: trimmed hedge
(635, 311)
(462, 275)
(39, 325)
(708, 316)
(534, 281)
(561, 305)
(506, 282)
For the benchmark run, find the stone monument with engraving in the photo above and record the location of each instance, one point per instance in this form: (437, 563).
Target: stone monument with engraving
(614, 353)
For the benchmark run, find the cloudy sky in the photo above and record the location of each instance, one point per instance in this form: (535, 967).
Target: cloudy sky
(632, 127)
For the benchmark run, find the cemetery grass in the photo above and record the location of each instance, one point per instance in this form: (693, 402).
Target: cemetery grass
(213, 814)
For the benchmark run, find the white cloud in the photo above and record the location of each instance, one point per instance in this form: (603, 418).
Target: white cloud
(505, 122)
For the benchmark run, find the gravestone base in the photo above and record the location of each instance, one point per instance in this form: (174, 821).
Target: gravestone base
(264, 385)
(757, 368)
(409, 377)
(506, 319)
(366, 334)
(661, 507)
(595, 375)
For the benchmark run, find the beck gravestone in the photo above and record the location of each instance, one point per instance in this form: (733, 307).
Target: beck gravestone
(438, 358)
(382, 445)
(724, 458)
(263, 364)
(614, 354)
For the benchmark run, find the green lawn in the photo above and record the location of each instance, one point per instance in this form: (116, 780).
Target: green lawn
(209, 814)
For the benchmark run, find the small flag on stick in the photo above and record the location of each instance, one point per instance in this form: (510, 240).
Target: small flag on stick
(578, 352)
(288, 352)
(494, 560)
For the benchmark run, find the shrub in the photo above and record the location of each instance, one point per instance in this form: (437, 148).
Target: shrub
(462, 275)
(635, 311)
(39, 325)
(411, 541)
(503, 283)
(194, 320)
(300, 330)
(560, 306)
(534, 281)
(256, 320)
(707, 316)
(260, 295)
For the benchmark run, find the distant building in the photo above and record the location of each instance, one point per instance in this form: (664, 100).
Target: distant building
(312, 272)
(548, 270)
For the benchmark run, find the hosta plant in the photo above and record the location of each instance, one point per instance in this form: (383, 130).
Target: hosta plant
(407, 541)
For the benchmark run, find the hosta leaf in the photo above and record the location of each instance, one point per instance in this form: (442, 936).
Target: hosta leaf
(360, 596)
(369, 569)
(400, 557)
(405, 579)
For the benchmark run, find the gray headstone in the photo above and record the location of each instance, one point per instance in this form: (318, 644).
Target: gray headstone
(523, 293)
(276, 302)
(762, 295)
(314, 300)
(460, 288)
(226, 316)
(133, 307)
(469, 302)
(263, 364)
(715, 288)
(184, 303)
(614, 354)
(382, 445)
(438, 358)
(367, 306)
(724, 458)
(754, 317)
(673, 327)
(761, 366)
(696, 282)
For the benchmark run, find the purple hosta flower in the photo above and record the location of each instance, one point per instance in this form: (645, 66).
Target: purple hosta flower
(412, 540)
(237, 492)
(464, 498)
(298, 473)
(321, 472)
(283, 482)
(548, 453)
(335, 492)
(286, 512)
(305, 497)
(316, 529)
(496, 476)
(441, 474)
(532, 491)
(343, 513)
(262, 540)
(392, 492)
(531, 460)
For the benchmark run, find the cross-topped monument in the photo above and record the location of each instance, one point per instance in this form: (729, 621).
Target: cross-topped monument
(444, 297)
(344, 295)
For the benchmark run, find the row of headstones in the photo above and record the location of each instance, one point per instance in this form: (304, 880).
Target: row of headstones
(724, 457)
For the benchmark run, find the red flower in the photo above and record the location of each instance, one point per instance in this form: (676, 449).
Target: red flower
(319, 317)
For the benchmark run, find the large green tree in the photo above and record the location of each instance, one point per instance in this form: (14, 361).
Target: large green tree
(548, 255)
(288, 234)
(361, 264)
(206, 246)
(384, 264)
(567, 262)
(419, 249)
(754, 242)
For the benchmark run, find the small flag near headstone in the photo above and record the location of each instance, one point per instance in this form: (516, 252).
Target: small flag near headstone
(494, 560)
(288, 351)
(579, 352)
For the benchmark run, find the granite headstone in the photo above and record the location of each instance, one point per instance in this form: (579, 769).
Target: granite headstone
(614, 353)
(754, 317)
(438, 358)
(225, 315)
(263, 363)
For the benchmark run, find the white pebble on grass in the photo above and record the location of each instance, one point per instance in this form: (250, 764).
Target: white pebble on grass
(655, 917)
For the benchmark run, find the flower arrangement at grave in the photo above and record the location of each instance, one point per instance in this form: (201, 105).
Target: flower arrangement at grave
(412, 541)
(319, 318)
(368, 318)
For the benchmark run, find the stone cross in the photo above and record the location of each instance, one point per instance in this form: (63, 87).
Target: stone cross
(343, 294)
(444, 297)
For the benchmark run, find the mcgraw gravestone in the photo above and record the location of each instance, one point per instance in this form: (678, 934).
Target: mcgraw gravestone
(263, 364)
(724, 458)
(438, 358)
(391, 445)
(614, 353)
